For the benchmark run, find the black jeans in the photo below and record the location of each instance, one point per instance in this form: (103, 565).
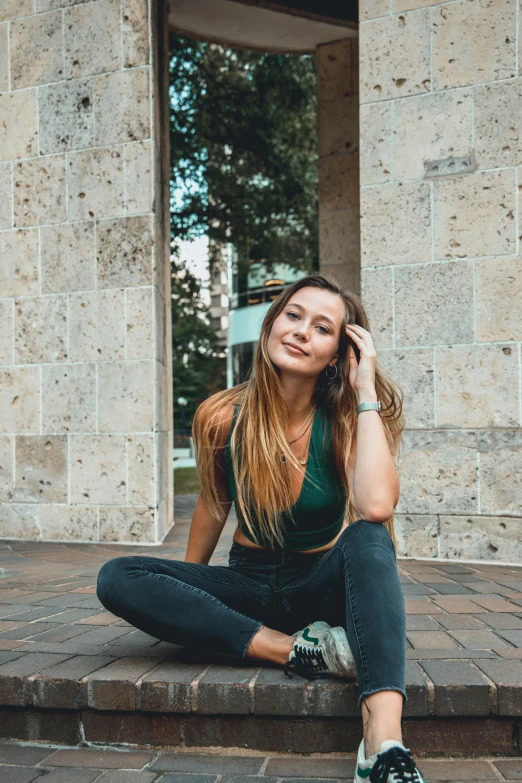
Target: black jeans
(354, 584)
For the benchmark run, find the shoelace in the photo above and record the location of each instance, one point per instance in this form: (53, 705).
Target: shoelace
(398, 761)
(307, 661)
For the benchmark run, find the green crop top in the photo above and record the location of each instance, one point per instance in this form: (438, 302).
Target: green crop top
(320, 509)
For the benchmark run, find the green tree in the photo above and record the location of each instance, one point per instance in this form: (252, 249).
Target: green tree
(243, 145)
(243, 171)
(199, 362)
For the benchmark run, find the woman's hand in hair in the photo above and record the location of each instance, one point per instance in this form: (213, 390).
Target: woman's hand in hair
(361, 374)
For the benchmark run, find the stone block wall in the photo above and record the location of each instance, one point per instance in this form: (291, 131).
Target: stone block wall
(441, 266)
(85, 347)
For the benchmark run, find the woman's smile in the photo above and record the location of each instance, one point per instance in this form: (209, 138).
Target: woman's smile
(296, 351)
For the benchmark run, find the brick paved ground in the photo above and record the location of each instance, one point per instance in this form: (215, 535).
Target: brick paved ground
(23, 764)
(59, 649)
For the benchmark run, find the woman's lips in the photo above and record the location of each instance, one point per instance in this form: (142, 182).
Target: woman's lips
(294, 350)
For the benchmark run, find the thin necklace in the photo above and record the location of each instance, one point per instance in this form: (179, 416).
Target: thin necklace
(302, 425)
(302, 459)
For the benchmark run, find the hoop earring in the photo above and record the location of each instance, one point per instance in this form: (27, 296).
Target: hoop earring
(331, 377)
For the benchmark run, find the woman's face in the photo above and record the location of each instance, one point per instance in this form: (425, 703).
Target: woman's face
(311, 320)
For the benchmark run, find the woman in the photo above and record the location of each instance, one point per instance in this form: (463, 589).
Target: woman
(312, 581)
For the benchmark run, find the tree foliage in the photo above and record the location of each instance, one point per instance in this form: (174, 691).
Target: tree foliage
(243, 144)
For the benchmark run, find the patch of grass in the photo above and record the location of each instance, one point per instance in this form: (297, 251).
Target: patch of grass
(186, 481)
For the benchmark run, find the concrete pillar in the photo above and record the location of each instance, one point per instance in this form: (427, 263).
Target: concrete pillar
(85, 347)
(441, 152)
(338, 148)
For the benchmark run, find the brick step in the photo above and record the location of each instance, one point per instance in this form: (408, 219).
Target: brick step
(166, 702)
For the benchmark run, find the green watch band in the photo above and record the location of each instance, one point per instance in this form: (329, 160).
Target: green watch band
(368, 406)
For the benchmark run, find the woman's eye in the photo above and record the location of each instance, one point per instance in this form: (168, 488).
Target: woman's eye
(326, 331)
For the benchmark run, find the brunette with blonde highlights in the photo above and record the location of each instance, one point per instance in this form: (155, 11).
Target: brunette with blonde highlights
(262, 480)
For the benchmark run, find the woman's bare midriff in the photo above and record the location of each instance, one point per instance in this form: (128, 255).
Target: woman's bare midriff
(240, 538)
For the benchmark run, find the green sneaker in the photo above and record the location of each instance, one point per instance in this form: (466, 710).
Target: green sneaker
(320, 651)
(392, 764)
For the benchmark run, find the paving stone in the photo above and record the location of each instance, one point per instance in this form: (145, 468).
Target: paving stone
(18, 774)
(460, 688)
(242, 779)
(14, 688)
(479, 640)
(69, 775)
(22, 754)
(431, 639)
(503, 621)
(310, 768)
(132, 728)
(460, 622)
(117, 776)
(225, 690)
(114, 686)
(511, 769)
(469, 770)
(99, 759)
(184, 777)
(60, 687)
(420, 622)
(166, 688)
(507, 676)
(208, 763)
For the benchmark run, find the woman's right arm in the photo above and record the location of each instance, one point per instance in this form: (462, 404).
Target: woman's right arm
(206, 528)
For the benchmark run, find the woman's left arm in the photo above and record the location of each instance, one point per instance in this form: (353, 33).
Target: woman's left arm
(376, 487)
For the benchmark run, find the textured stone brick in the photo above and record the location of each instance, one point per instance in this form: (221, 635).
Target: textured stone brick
(41, 329)
(114, 686)
(6, 193)
(97, 326)
(92, 38)
(135, 33)
(11, 9)
(20, 521)
(377, 292)
(405, 210)
(138, 177)
(69, 523)
(122, 106)
(6, 335)
(429, 128)
(67, 257)
(97, 469)
(438, 472)
(467, 769)
(140, 453)
(498, 289)
(500, 457)
(224, 690)
(324, 767)
(124, 251)
(431, 319)
(395, 56)
(69, 398)
(18, 131)
(425, 640)
(19, 262)
(4, 59)
(39, 190)
(275, 694)
(466, 378)
(375, 143)
(474, 215)
(368, 9)
(41, 469)
(475, 537)
(132, 524)
(22, 755)
(125, 401)
(36, 50)
(511, 769)
(95, 183)
(66, 115)
(488, 50)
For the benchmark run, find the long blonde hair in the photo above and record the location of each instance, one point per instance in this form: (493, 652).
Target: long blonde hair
(262, 480)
